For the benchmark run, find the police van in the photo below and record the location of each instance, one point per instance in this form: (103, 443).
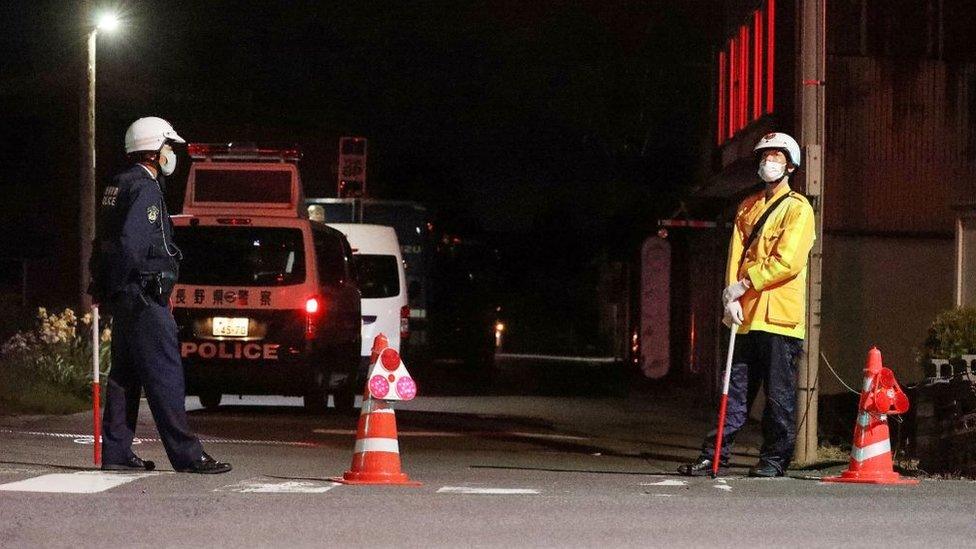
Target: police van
(382, 284)
(266, 301)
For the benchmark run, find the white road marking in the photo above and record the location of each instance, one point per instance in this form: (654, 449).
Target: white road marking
(401, 433)
(459, 434)
(557, 358)
(497, 491)
(87, 439)
(82, 482)
(662, 495)
(17, 470)
(668, 482)
(260, 486)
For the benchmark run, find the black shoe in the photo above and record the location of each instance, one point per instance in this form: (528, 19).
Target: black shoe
(700, 468)
(764, 469)
(134, 463)
(206, 465)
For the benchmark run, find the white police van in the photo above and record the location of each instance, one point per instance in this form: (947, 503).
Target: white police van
(266, 301)
(382, 284)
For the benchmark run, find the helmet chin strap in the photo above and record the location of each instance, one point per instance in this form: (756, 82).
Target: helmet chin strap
(770, 187)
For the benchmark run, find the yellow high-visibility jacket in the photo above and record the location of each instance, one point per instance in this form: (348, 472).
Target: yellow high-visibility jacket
(775, 263)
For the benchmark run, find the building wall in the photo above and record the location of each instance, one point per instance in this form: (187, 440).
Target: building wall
(900, 144)
(900, 150)
(881, 291)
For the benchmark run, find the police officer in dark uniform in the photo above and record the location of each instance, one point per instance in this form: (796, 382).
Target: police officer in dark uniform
(134, 269)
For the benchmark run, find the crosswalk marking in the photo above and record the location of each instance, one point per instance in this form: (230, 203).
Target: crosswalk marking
(499, 491)
(82, 482)
(666, 482)
(262, 486)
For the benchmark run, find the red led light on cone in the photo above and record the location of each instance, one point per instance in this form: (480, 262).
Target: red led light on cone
(379, 387)
(406, 388)
(391, 359)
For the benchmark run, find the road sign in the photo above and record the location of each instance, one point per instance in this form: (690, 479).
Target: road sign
(352, 167)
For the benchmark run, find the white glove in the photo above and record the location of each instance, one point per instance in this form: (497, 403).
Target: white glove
(733, 314)
(735, 291)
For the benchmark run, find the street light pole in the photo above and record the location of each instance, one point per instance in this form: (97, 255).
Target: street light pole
(86, 210)
(86, 205)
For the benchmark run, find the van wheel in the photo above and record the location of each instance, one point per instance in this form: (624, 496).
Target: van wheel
(316, 396)
(210, 400)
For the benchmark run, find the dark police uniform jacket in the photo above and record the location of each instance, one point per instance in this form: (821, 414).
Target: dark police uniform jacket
(134, 235)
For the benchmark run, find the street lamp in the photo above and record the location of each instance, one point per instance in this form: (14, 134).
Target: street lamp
(106, 22)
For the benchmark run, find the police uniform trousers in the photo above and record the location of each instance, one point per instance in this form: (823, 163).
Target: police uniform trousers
(145, 355)
(767, 360)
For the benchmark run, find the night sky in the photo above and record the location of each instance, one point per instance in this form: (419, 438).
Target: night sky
(585, 119)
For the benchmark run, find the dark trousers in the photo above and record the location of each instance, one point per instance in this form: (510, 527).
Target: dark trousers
(767, 360)
(145, 355)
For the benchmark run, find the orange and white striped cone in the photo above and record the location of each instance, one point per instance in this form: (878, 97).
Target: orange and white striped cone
(871, 461)
(380, 342)
(376, 458)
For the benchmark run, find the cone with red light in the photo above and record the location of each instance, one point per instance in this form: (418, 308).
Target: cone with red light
(881, 396)
(376, 458)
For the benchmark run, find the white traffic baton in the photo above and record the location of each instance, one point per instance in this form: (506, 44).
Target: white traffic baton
(717, 458)
(96, 388)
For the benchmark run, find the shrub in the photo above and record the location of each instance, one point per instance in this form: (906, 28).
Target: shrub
(55, 353)
(952, 334)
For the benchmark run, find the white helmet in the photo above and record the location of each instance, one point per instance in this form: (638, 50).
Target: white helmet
(783, 142)
(149, 134)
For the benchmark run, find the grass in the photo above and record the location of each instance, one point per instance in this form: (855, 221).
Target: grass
(37, 397)
(833, 454)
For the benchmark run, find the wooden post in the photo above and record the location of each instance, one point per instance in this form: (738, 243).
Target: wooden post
(811, 100)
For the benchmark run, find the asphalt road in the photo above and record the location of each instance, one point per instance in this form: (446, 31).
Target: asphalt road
(510, 469)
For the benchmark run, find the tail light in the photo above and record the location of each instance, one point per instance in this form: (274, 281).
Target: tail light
(404, 323)
(313, 310)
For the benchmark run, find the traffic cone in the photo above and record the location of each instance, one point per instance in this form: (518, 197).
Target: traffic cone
(871, 461)
(380, 342)
(376, 458)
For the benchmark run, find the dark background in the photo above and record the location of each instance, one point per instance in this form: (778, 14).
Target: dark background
(557, 131)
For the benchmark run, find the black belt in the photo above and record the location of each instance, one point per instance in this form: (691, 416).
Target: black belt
(156, 284)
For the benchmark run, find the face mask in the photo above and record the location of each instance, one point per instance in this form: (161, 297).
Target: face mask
(771, 171)
(170, 166)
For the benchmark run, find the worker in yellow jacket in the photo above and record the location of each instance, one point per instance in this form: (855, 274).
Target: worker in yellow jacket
(766, 299)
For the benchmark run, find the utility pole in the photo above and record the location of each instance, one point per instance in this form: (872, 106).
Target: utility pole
(86, 206)
(811, 58)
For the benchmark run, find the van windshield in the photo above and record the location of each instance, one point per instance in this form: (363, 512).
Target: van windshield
(378, 275)
(241, 256)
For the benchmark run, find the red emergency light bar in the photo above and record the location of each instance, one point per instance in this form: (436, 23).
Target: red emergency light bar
(247, 152)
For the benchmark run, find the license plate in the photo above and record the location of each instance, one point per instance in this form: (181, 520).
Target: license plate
(229, 327)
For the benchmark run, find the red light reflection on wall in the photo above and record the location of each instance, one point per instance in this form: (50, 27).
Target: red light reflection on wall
(745, 72)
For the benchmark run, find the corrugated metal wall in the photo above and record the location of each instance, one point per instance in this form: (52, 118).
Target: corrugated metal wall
(900, 144)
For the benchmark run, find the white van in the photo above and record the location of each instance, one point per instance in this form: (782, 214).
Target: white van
(382, 284)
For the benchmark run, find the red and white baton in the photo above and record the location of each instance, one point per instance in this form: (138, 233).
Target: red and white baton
(96, 387)
(725, 402)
